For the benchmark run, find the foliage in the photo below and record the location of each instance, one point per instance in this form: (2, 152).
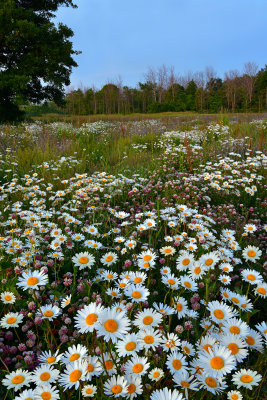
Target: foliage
(36, 55)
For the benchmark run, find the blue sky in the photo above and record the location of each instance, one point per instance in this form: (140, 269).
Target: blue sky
(124, 37)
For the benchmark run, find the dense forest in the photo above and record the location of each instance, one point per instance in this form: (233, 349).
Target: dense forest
(163, 91)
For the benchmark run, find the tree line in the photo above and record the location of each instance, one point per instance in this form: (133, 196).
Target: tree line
(162, 90)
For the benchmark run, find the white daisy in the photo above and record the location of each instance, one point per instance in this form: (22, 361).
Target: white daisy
(116, 386)
(89, 390)
(149, 338)
(17, 379)
(74, 353)
(32, 280)
(246, 378)
(128, 345)
(251, 253)
(8, 298)
(217, 361)
(176, 363)
(156, 374)
(45, 374)
(49, 312)
(166, 394)
(73, 375)
(87, 317)
(147, 318)
(83, 260)
(170, 342)
(11, 320)
(112, 325)
(137, 293)
(93, 367)
(137, 366)
(47, 357)
(46, 392)
(109, 258)
(27, 394)
(134, 386)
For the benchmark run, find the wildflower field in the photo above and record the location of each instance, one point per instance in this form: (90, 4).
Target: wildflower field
(133, 260)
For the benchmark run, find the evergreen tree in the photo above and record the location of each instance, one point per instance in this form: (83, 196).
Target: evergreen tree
(35, 54)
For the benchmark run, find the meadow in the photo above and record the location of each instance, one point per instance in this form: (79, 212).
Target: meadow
(133, 258)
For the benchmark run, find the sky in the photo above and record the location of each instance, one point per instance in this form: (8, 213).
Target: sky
(123, 38)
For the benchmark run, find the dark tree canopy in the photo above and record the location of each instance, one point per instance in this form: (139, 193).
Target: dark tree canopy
(35, 55)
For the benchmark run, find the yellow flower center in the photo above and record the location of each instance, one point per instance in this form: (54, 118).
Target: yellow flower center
(111, 325)
(45, 376)
(250, 340)
(51, 360)
(48, 313)
(187, 284)
(32, 281)
(147, 257)
(83, 260)
(74, 357)
(177, 364)
(137, 368)
(148, 320)
(109, 258)
(207, 347)
(251, 277)
(186, 261)
(8, 297)
(90, 368)
(137, 280)
(233, 348)
(216, 363)
(156, 374)
(136, 294)
(235, 330)
(91, 319)
(197, 270)
(11, 320)
(171, 281)
(179, 307)
(246, 378)
(116, 389)
(185, 384)
(235, 300)
(170, 344)
(251, 253)
(18, 379)
(234, 396)
(149, 339)
(261, 291)
(131, 388)
(46, 396)
(219, 314)
(168, 250)
(108, 364)
(186, 350)
(130, 346)
(211, 382)
(75, 375)
(209, 261)
(89, 391)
